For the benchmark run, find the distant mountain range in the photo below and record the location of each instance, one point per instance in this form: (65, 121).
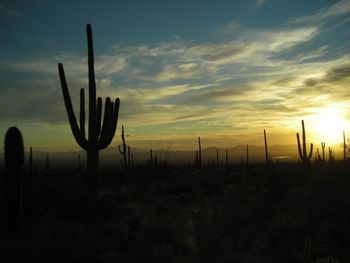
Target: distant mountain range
(237, 154)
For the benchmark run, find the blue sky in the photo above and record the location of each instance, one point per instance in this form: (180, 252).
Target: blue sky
(224, 70)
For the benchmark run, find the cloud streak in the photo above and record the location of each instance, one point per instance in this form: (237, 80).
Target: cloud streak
(256, 79)
(338, 9)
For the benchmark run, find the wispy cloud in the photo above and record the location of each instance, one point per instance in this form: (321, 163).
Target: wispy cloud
(258, 78)
(339, 8)
(9, 11)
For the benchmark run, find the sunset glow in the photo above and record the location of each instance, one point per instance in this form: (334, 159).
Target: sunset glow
(222, 71)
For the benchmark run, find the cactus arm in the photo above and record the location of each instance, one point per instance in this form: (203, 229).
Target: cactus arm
(70, 112)
(121, 152)
(111, 125)
(311, 151)
(82, 113)
(299, 147)
(113, 121)
(92, 85)
(304, 139)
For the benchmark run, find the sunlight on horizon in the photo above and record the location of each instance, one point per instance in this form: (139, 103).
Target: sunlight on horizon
(327, 125)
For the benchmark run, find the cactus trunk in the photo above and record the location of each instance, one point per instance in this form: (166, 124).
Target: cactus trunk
(14, 160)
(92, 157)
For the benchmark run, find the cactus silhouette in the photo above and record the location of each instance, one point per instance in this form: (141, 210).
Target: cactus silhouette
(199, 152)
(247, 161)
(344, 147)
(123, 152)
(98, 137)
(331, 155)
(323, 145)
(303, 152)
(226, 157)
(266, 149)
(14, 160)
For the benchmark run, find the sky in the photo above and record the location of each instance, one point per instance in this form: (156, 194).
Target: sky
(222, 70)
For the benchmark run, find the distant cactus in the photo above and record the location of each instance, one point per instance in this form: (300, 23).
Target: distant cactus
(303, 152)
(226, 157)
(98, 137)
(14, 160)
(129, 157)
(318, 158)
(124, 146)
(247, 161)
(323, 145)
(344, 147)
(266, 149)
(199, 152)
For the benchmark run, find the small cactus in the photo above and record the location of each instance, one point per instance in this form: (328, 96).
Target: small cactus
(199, 152)
(226, 157)
(14, 160)
(302, 151)
(247, 158)
(124, 146)
(323, 145)
(266, 149)
(217, 158)
(344, 147)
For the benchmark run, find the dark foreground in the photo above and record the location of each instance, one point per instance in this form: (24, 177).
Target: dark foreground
(184, 215)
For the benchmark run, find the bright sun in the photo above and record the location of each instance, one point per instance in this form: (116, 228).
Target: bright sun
(328, 125)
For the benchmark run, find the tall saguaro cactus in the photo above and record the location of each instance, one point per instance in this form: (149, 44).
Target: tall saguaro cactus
(303, 152)
(99, 137)
(123, 152)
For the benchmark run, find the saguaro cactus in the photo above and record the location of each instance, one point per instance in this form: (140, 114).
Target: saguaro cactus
(303, 152)
(247, 161)
(344, 147)
(123, 152)
(323, 145)
(98, 137)
(226, 157)
(266, 149)
(199, 152)
(14, 160)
